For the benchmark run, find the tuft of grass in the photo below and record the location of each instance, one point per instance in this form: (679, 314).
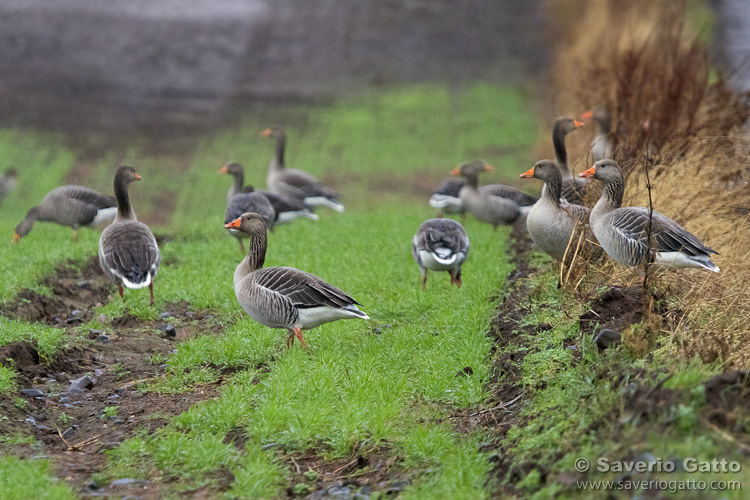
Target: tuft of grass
(49, 340)
(23, 479)
(7, 380)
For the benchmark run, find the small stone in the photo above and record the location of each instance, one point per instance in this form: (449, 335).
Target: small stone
(170, 331)
(119, 421)
(85, 284)
(67, 405)
(607, 338)
(30, 420)
(104, 339)
(82, 384)
(571, 347)
(98, 372)
(339, 492)
(165, 315)
(164, 367)
(208, 316)
(127, 482)
(64, 400)
(268, 446)
(77, 403)
(32, 392)
(75, 320)
(102, 317)
(50, 381)
(68, 432)
(75, 313)
(114, 396)
(189, 314)
(43, 428)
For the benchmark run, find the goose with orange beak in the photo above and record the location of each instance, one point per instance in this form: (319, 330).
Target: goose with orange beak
(493, 204)
(553, 223)
(601, 144)
(284, 297)
(573, 189)
(623, 231)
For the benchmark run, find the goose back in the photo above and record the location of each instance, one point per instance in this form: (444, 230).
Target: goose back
(440, 245)
(128, 252)
(446, 197)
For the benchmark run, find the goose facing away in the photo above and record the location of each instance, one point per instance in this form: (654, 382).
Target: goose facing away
(7, 182)
(285, 208)
(440, 245)
(484, 203)
(623, 231)
(293, 182)
(573, 188)
(446, 197)
(601, 145)
(552, 221)
(284, 297)
(71, 205)
(128, 252)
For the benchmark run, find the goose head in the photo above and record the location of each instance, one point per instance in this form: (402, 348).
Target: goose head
(565, 125)
(472, 168)
(248, 223)
(543, 169)
(604, 171)
(232, 168)
(24, 227)
(598, 114)
(125, 175)
(274, 132)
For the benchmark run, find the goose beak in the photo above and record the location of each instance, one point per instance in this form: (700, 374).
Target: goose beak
(223, 170)
(456, 171)
(235, 224)
(488, 167)
(577, 124)
(15, 238)
(266, 133)
(528, 173)
(587, 115)
(588, 173)
(138, 177)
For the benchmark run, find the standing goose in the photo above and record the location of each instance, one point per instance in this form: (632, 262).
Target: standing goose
(285, 208)
(74, 206)
(552, 221)
(623, 231)
(446, 197)
(440, 245)
(128, 252)
(573, 189)
(295, 183)
(601, 145)
(7, 182)
(284, 297)
(242, 203)
(484, 203)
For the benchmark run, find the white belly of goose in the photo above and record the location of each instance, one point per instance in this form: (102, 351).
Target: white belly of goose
(681, 260)
(287, 216)
(104, 215)
(322, 200)
(441, 260)
(311, 317)
(449, 204)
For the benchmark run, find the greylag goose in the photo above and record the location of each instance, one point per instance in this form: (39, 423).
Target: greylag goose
(440, 245)
(284, 297)
(295, 183)
(446, 197)
(573, 189)
(285, 208)
(73, 206)
(601, 145)
(623, 231)
(7, 182)
(552, 221)
(495, 203)
(244, 202)
(128, 252)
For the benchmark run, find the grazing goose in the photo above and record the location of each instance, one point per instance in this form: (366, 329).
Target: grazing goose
(623, 231)
(295, 183)
(601, 145)
(74, 206)
(552, 220)
(494, 204)
(573, 189)
(128, 252)
(284, 297)
(285, 208)
(446, 197)
(440, 245)
(7, 182)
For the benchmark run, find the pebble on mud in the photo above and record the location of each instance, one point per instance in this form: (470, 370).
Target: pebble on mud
(81, 385)
(128, 482)
(607, 338)
(165, 315)
(32, 392)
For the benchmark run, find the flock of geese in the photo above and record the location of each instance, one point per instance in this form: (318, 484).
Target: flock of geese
(288, 298)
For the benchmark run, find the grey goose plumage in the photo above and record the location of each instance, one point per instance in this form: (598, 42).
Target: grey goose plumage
(552, 221)
(446, 198)
(573, 189)
(284, 297)
(71, 205)
(601, 144)
(293, 182)
(440, 245)
(128, 252)
(623, 231)
(494, 204)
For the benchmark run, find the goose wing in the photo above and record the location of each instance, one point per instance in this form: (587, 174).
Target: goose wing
(85, 195)
(442, 233)
(509, 193)
(449, 187)
(283, 203)
(302, 289)
(128, 251)
(249, 202)
(304, 185)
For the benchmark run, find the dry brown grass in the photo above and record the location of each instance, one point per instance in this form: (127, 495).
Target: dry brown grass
(641, 61)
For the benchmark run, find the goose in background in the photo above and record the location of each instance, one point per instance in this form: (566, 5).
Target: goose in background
(128, 252)
(494, 204)
(553, 221)
(601, 145)
(295, 183)
(440, 245)
(242, 203)
(623, 231)
(284, 297)
(7, 182)
(285, 208)
(446, 197)
(71, 205)
(573, 189)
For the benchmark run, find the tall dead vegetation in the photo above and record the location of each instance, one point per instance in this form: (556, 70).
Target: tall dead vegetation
(673, 113)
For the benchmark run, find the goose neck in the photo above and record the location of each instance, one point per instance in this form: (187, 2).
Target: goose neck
(561, 153)
(553, 189)
(612, 194)
(256, 253)
(239, 179)
(124, 209)
(279, 155)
